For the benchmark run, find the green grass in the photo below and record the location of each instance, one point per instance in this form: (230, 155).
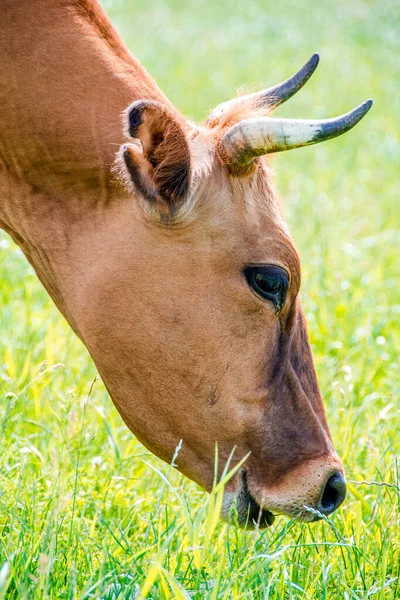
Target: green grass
(85, 511)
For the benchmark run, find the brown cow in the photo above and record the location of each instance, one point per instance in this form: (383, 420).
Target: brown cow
(183, 284)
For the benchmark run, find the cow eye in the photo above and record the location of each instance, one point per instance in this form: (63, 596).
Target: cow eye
(270, 283)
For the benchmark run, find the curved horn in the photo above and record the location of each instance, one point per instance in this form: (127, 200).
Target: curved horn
(254, 137)
(273, 96)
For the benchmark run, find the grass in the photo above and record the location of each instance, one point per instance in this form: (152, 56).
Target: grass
(85, 511)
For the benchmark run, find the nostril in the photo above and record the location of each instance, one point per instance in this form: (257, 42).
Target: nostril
(333, 495)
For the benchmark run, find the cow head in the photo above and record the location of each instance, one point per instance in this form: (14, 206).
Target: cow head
(200, 334)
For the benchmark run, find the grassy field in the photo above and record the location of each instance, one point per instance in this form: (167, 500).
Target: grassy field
(85, 511)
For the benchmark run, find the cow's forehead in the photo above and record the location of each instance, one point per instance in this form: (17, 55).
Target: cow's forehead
(243, 214)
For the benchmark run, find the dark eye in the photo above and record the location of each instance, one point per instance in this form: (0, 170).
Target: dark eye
(270, 283)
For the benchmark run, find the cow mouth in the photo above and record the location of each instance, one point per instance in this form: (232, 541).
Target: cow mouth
(249, 513)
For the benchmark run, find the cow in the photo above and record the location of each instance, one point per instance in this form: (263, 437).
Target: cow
(163, 244)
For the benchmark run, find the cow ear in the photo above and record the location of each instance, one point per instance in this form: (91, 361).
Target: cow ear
(158, 164)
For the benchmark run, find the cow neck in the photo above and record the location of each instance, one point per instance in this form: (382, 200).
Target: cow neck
(65, 80)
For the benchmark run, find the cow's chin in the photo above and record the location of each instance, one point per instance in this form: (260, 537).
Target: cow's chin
(242, 506)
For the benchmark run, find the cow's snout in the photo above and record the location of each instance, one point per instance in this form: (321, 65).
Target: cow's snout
(333, 494)
(313, 489)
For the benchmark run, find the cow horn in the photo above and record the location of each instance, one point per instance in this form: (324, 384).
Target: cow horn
(270, 97)
(254, 137)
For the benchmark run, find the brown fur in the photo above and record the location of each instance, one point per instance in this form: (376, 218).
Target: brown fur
(187, 351)
(89, 11)
(237, 113)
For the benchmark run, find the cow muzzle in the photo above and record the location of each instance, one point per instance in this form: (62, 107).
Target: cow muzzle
(309, 493)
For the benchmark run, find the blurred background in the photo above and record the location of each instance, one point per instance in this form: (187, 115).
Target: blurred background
(80, 503)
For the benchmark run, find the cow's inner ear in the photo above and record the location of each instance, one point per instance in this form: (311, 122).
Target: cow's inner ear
(159, 165)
